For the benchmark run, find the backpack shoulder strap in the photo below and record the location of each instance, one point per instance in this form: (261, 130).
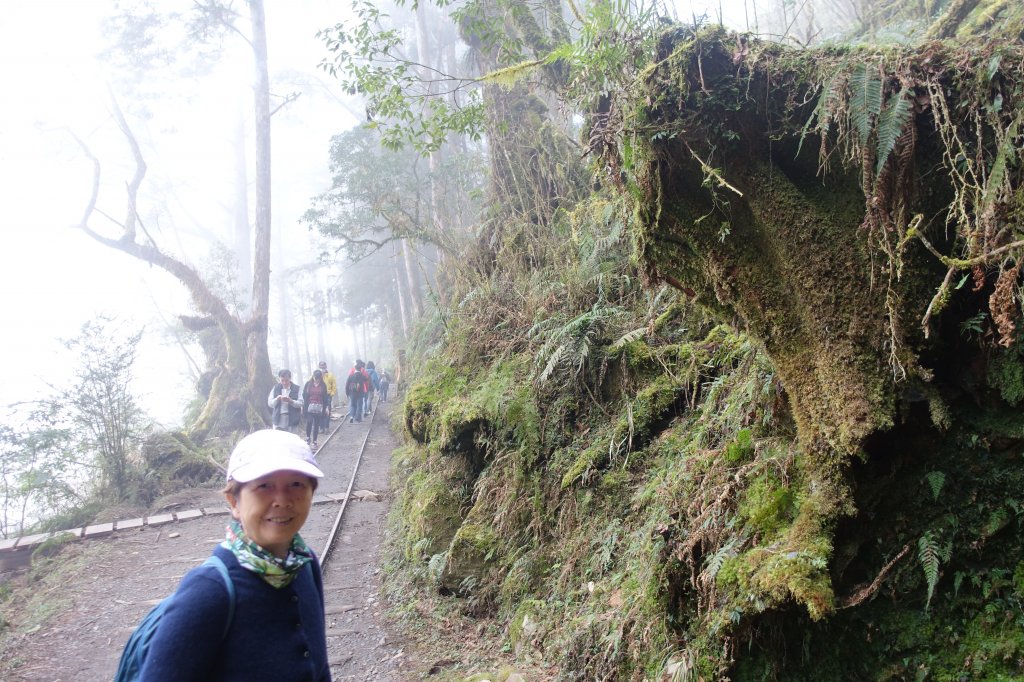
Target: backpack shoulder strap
(217, 563)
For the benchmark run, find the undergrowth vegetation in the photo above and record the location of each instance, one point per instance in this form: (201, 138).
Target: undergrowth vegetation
(749, 409)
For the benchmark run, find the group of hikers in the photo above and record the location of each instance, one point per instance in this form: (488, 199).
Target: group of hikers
(318, 397)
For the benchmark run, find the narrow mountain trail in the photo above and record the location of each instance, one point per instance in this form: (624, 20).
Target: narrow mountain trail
(76, 621)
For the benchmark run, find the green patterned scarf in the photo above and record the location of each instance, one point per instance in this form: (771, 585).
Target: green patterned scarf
(276, 572)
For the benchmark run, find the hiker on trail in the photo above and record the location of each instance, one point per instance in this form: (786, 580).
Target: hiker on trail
(373, 385)
(314, 400)
(355, 389)
(385, 383)
(274, 629)
(332, 391)
(285, 403)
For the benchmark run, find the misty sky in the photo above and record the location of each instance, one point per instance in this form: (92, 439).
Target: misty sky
(57, 277)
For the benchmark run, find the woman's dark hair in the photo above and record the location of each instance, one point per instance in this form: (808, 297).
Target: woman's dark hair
(370, 365)
(318, 375)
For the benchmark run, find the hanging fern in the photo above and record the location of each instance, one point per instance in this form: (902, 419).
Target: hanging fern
(1006, 154)
(821, 118)
(865, 100)
(891, 122)
(929, 553)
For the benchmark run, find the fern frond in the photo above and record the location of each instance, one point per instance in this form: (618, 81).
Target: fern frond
(996, 521)
(553, 361)
(436, 564)
(935, 479)
(627, 338)
(891, 122)
(714, 564)
(563, 51)
(928, 553)
(865, 100)
(582, 353)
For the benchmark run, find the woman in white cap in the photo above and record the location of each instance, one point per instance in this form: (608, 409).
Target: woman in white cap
(276, 630)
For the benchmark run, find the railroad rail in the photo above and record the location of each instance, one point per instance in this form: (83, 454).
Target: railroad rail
(325, 553)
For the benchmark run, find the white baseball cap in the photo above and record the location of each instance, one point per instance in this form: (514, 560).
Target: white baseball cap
(264, 452)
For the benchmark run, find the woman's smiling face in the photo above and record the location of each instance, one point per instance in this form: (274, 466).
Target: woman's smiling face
(273, 508)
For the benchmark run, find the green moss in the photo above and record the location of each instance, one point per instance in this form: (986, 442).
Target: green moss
(437, 385)
(586, 463)
(679, 499)
(742, 449)
(614, 482)
(1006, 375)
(767, 506)
(433, 492)
(527, 622)
(470, 557)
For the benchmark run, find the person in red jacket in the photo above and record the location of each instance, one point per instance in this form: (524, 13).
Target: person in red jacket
(315, 401)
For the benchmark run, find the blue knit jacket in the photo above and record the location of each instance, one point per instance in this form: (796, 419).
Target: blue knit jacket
(276, 634)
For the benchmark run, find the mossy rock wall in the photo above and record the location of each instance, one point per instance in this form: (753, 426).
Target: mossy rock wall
(767, 237)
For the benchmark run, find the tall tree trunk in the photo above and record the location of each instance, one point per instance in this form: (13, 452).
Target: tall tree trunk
(412, 279)
(366, 338)
(261, 376)
(240, 215)
(285, 326)
(239, 370)
(427, 71)
(330, 357)
(400, 295)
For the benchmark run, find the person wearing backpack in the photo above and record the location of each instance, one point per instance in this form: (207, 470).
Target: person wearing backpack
(355, 389)
(263, 617)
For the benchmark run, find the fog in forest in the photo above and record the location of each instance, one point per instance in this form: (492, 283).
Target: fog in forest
(55, 87)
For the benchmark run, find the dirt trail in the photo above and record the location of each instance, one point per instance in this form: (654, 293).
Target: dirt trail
(119, 577)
